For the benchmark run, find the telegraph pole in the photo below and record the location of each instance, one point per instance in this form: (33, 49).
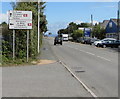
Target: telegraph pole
(118, 20)
(118, 24)
(91, 25)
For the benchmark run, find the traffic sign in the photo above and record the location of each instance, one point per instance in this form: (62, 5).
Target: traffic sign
(20, 15)
(20, 19)
(20, 24)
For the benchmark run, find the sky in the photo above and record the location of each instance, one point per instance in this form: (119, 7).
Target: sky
(60, 14)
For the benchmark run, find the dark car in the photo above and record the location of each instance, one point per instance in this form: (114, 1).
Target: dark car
(84, 40)
(58, 40)
(112, 44)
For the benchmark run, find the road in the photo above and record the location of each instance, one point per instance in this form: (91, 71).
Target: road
(79, 71)
(96, 67)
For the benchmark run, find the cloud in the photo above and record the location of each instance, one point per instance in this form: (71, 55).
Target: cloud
(78, 22)
(54, 27)
(4, 18)
(94, 22)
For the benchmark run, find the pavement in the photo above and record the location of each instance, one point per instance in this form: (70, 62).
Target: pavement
(47, 80)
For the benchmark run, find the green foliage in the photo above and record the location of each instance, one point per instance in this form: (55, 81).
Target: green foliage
(77, 33)
(69, 30)
(21, 35)
(85, 25)
(98, 32)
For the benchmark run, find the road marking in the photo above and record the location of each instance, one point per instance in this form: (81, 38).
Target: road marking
(83, 84)
(90, 53)
(103, 58)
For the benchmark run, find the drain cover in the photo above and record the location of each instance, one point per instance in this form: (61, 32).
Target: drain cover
(45, 49)
(79, 71)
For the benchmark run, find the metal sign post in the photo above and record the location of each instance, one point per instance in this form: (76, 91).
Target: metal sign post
(38, 27)
(27, 45)
(13, 45)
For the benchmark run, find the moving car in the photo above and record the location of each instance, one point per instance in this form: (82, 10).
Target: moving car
(106, 40)
(58, 40)
(112, 44)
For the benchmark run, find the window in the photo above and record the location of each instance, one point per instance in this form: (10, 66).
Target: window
(110, 25)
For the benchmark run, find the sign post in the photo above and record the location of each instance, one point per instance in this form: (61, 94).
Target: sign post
(20, 20)
(13, 45)
(27, 45)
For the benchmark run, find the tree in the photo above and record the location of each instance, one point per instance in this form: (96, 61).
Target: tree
(98, 32)
(21, 35)
(84, 25)
(77, 33)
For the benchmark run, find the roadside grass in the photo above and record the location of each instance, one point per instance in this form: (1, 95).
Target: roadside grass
(17, 62)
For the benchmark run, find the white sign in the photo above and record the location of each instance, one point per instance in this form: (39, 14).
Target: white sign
(20, 19)
(20, 24)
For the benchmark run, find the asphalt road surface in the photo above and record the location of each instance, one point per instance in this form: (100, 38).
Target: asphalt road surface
(92, 72)
(96, 67)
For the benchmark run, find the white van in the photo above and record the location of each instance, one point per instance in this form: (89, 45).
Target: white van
(65, 37)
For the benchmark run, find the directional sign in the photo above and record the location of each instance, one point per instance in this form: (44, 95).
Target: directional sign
(20, 15)
(20, 24)
(20, 19)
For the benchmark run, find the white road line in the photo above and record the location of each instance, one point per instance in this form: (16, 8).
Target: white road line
(103, 58)
(83, 84)
(90, 53)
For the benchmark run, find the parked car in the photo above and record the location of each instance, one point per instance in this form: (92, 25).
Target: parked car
(106, 40)
(84, 40)
(92, 40)
(89, 40)
(112, 44)
(58, 40)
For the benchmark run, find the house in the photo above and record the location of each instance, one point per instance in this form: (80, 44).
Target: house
(112, 29)
(104, 24)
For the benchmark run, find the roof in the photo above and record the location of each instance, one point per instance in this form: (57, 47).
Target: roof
(115, 20)
(104, 23)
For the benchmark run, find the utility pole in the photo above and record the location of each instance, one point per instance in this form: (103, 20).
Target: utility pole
(118, 24)
(118, 20)
(91, 25)
(38, 27)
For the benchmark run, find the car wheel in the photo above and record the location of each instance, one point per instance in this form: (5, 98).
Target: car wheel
(98, 45)
(104, 46)
(54, 43)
